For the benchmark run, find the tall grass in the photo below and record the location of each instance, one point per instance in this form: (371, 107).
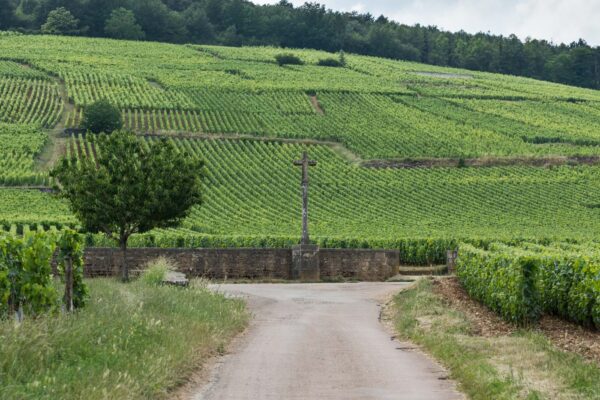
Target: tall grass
(156, 271)
(133, 341)
(523, 365)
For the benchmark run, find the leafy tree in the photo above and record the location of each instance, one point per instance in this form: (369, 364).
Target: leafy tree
(61, 22)
(197, 23)
(122, 25)
(132, 187)
(96, 13)
(7, 14)
(101, 116)
(159, 22)
(342, 58)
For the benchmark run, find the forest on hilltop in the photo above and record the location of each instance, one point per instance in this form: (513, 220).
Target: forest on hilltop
(240, 22)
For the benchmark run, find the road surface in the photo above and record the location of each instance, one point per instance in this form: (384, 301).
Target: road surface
(322, 341)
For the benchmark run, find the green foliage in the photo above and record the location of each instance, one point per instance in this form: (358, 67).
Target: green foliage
(342, 58)
(515, 366)
(157, 270)
(5, 288)
(27, 264)
(20, 207)
(376, 108)
(130, 342)
(28, 98)
(251, 199)
(232, 22)
(102, 116)
(122, 25)
(504, 282)
(522, 282)
(34, 286)
(387, 205)
(288, 59)
(60, 22)
(132, 187)
(333, 62)
(21, 144)
(329, 62)
(70, 246)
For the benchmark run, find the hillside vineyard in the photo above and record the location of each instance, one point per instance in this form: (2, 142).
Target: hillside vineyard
(248, 118)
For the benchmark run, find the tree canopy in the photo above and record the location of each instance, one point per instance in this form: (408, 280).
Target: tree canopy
(131, 187)
(240, 22)
(61, 22)
(122, 25)
(102, 116)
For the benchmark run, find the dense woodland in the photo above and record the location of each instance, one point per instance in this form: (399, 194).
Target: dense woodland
(240, 22)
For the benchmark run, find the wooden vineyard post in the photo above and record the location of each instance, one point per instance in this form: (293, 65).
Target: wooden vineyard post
(451, 263)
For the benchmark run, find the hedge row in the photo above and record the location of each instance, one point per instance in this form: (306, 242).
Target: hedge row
(412, 251)
(522, 283)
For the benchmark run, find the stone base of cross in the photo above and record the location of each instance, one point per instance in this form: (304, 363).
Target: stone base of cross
(305, 263)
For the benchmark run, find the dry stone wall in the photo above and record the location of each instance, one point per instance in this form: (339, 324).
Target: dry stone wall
(359, 264)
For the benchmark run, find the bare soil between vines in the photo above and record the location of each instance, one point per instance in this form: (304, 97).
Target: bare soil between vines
(563, 334)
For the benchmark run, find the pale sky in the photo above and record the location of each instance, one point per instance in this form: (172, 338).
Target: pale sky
(553, 20)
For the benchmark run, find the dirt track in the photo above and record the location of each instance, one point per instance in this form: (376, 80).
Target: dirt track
(322, 341)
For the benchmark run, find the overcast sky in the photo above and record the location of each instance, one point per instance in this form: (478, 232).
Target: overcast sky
(555, 20)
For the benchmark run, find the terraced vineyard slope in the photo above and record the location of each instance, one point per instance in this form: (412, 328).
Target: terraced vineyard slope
(249, 118)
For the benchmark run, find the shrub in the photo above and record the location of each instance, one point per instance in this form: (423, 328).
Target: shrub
(101, 116)
(332, 62)
(329, 62)
(156, 271)
(288, 59)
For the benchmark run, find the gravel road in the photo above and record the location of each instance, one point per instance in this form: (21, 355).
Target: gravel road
(322, 341)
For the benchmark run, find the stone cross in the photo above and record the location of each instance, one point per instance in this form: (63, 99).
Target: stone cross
(305, 162)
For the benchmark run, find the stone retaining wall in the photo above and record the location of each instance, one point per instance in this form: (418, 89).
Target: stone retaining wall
(360, 264)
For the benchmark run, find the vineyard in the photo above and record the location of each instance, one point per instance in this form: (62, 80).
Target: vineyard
(524, 282)
(249, 118)
(252, 192)
(20, 146)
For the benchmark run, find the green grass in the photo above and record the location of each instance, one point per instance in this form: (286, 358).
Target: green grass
(156, 271)
(523, 365)
(133, 341)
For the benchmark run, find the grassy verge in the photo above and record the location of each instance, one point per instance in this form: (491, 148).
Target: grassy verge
(133, 341)
(523, 365)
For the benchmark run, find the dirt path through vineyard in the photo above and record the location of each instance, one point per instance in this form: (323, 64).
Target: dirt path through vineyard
(56, 145)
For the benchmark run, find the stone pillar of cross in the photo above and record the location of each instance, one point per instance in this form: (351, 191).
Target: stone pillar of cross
(305, 163)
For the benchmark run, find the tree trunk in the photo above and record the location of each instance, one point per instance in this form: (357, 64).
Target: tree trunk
(124, 266)
(69, 285)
